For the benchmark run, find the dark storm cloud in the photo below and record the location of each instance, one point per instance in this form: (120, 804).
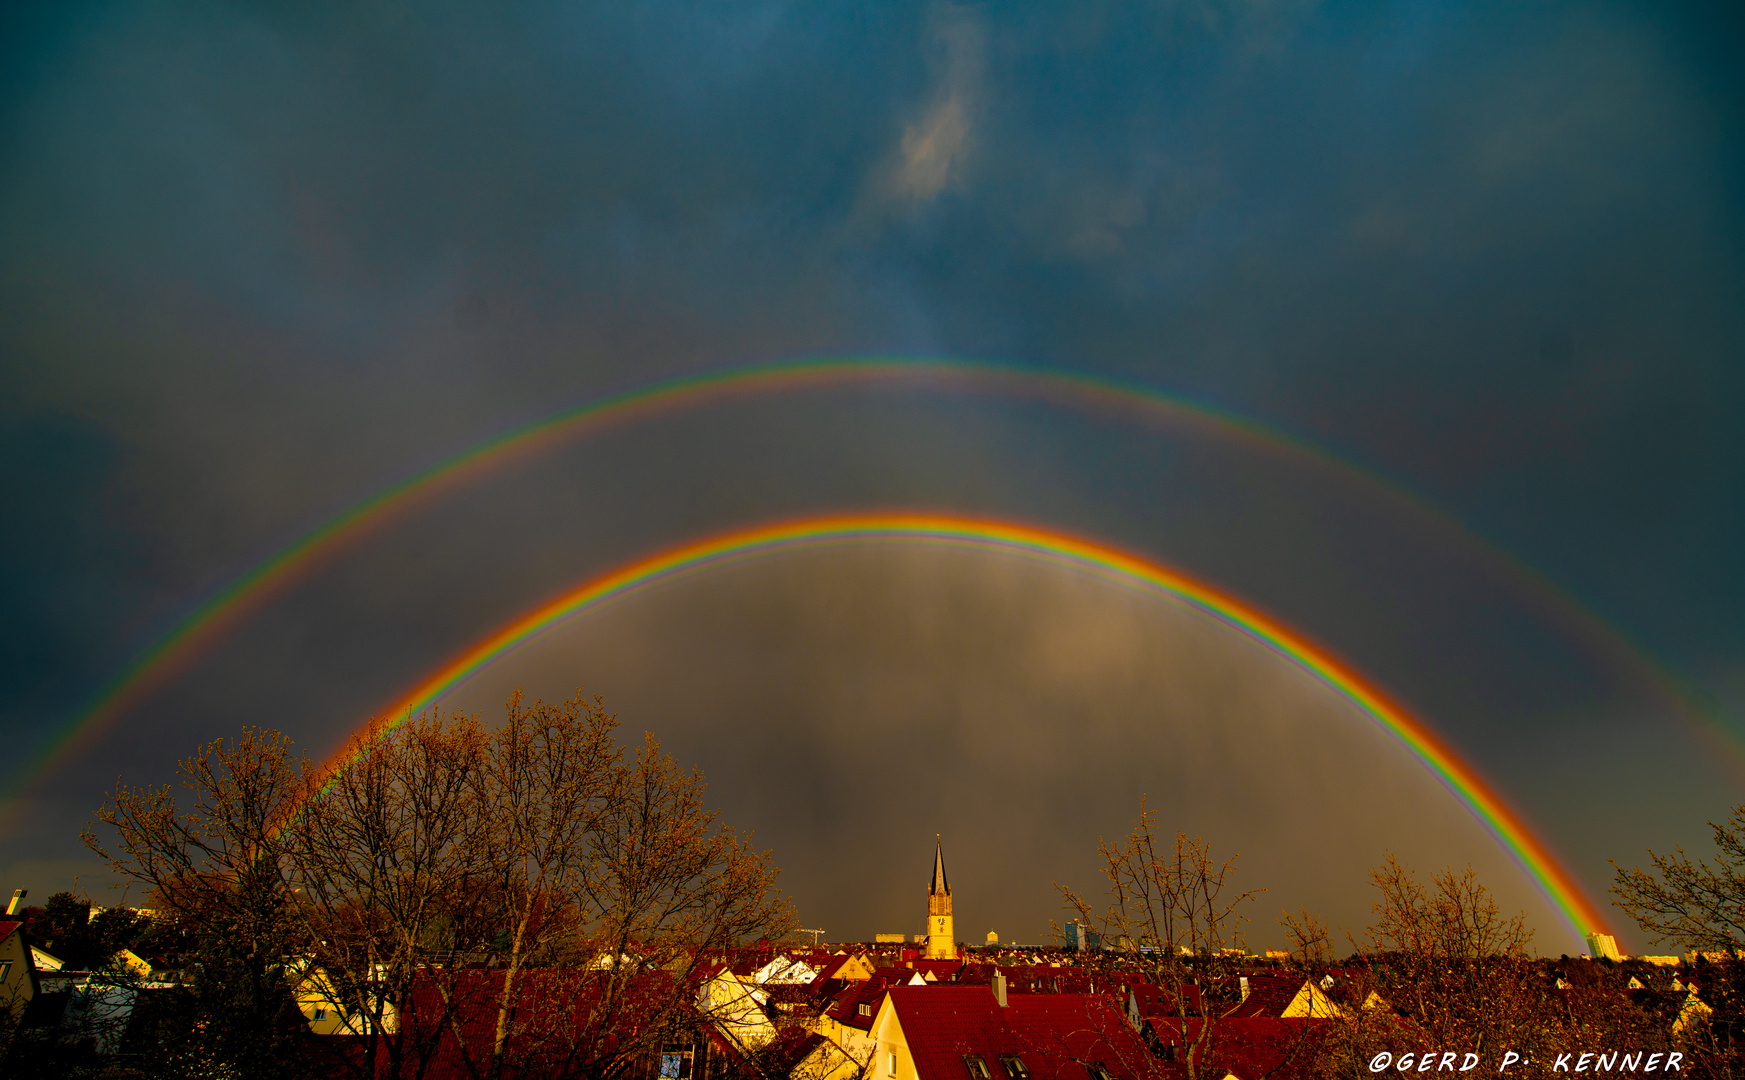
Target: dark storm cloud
(257, 261)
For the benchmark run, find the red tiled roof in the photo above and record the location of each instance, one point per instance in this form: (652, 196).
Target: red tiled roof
(1156, 1001)
(7, 929)
(846, 1009)
(943, 1023)
(1082, 1027)
(1256, 1047)
(1268, 995)
(1052, 1035)
(563, 1023)
(829, 970)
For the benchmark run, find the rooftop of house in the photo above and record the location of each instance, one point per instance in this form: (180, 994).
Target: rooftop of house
(1032, 1037)
(837, 971)
(1266, 995)
(1156, 1001)
(555, 1006)
(1251, 1047)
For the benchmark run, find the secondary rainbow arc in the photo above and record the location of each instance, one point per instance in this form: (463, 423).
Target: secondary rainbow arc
(235, 600)
(186, 640)
(1430, 750)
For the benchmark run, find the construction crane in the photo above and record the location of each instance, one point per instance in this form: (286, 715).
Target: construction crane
(816, 934)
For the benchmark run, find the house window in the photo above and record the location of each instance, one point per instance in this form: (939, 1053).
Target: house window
(891, 1063)
(1096, 1070)
(5, 970)
(1015, 1067)
(675, 1062)
(866, 1008)
(978, 1066)
(320, 1014)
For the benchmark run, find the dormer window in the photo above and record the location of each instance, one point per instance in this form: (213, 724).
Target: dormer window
(1096, 1070)
(1015, 1067)
(866, 1008)
(978, 1066)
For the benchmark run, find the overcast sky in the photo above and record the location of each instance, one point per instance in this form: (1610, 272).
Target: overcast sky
(259, 262)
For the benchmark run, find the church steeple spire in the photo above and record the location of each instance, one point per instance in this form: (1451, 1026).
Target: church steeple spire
(941, 942)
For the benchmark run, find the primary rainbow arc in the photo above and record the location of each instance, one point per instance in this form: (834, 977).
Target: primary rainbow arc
(1459, 778)
(229, 605)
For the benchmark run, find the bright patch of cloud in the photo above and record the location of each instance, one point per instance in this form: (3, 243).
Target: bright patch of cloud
(934, 148)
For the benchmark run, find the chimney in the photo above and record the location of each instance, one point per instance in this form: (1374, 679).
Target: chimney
(999, 988)
(17, 904)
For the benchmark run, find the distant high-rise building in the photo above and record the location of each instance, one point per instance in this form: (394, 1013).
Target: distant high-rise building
(1603, 946)
(1080, 938)
(941, 940)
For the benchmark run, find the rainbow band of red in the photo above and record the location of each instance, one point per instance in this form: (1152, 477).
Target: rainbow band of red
(1106, 562)
(231, 604)
(225, 608)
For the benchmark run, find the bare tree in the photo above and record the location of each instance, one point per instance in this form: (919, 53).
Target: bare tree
(1701, 906)
(551, 778)
(1311, 938)
(1455, 919)
(671, 887)
(1691, 902)
(524, 893)
(1175, 917)
(1453, 973)
(528, 895)
(216, 865)
(387, 854)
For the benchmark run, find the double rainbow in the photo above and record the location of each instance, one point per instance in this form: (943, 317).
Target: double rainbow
(1460, 779)
(229, 605)
(199, 629)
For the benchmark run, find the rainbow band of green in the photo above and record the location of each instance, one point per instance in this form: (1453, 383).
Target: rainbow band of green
(201, 628)
(1565, 895)
(188, 638)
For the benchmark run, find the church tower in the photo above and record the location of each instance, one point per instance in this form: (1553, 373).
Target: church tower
(941, 939)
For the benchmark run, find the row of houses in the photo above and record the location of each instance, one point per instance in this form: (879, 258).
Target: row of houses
(880, 1011)
(930, 1013)
(821, 1014)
